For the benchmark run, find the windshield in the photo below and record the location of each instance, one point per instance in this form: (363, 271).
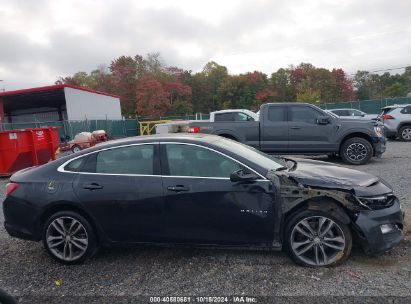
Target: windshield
(331, 114)
(259, 158)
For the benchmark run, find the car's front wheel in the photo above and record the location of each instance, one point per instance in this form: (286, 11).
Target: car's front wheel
(356, 151)
(69, 237)
(315, 239)
(405, 133)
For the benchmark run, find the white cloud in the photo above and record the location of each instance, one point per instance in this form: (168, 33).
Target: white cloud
(41, 40)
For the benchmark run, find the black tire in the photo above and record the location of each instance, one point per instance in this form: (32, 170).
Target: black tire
(334, 258)
(405, 133)
(356, 151)
(86, 233)
(75, 149)
(6, 298)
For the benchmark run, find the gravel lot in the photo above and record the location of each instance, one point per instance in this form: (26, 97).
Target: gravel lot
(26, 270)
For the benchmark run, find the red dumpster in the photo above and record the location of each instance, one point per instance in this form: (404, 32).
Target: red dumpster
(24, 148)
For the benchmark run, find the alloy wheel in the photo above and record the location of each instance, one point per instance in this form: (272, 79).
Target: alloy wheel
(356, 151)
(67, 238)
(406, 134)
(317, 241)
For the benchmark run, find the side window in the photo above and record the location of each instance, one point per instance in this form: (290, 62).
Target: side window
(406, 110)
(137, 159)
(224, 117)
(341, 112)
(242, 117)
(277, 113)
(304, 114)
(187, 160)
(75, 165)
(355, 113)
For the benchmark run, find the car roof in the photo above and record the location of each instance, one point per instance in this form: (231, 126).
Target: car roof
(396, 106)
(230, 110)
(173, 137)
(343, 109)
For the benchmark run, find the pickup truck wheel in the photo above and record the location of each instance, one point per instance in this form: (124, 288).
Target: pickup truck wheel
(356, 151)
(405, 133)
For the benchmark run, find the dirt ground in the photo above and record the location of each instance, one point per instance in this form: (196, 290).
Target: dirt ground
(114, 274)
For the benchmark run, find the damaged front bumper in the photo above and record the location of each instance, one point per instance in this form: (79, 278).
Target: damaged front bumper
(379, 145)
(380, 230)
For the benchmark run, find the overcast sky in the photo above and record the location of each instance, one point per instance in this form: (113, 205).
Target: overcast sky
(43, 39)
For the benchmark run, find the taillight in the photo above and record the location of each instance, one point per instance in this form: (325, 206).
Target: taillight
(387, 116)
(10, 187)
(193, 129)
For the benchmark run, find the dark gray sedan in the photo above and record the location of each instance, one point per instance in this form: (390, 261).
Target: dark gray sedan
(200, 190)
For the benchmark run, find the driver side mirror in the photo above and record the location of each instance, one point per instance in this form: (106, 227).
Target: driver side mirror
(241, 176)
(323, 120)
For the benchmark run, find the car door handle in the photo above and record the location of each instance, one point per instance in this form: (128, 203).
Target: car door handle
(92, 186)
(295, 128)
(178, 188)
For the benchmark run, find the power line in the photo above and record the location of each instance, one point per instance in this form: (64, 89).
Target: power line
(385, 70)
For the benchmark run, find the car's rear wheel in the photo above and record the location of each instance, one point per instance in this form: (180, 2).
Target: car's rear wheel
(316, 239)
(405, 133)
(68, 237)
(356, 151)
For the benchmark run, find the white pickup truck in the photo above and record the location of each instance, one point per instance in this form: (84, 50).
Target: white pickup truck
(216, 116)
(234, 115)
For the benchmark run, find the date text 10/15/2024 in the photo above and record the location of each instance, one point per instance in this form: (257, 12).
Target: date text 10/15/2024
(204, 299)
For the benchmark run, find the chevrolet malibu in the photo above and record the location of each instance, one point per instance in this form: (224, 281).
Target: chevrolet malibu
(204, 191)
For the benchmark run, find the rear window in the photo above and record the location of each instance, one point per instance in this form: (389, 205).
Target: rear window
(277, 113)
(224, 117)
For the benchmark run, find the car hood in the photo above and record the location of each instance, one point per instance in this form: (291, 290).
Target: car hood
(327, 175)
(319, 172)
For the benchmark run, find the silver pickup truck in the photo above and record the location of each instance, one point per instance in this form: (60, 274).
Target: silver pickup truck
(299, 128)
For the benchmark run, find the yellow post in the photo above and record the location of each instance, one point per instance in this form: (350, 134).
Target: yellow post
(146, 127)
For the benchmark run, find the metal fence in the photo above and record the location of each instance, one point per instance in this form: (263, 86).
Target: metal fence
(114, 128)
(368, 106)
(69, 128)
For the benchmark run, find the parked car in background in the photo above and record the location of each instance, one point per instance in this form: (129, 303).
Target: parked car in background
(200, 190)
(397, 121)
(299, 128)
(352, 113)
(234, 115)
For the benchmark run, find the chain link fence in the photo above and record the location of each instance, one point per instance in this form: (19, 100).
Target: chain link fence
(368, 106)
(114, 128)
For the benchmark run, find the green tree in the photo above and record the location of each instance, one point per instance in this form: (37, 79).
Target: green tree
(280, 82)
(395, 90)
